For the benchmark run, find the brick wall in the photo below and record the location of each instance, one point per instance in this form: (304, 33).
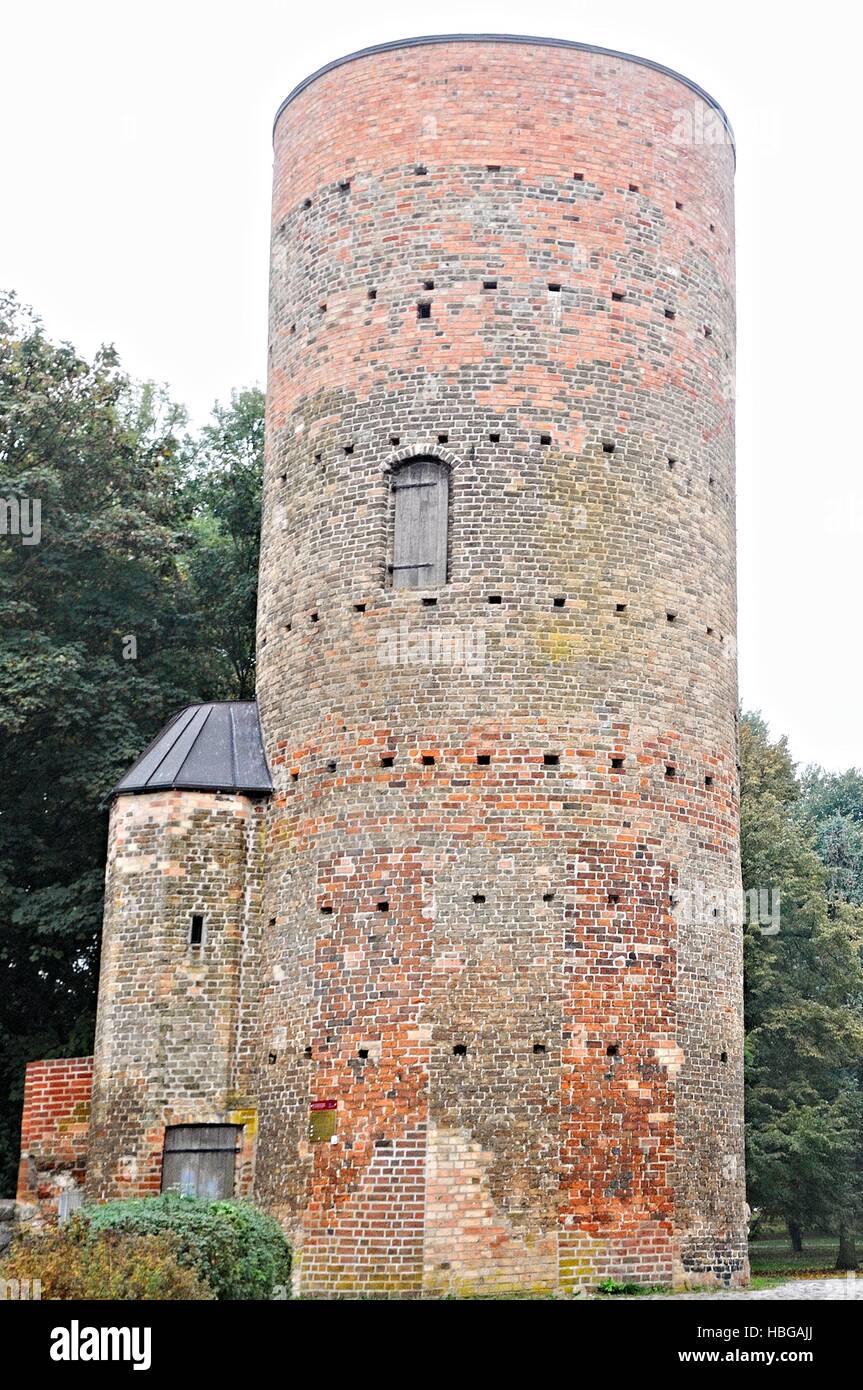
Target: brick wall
(54, 1130)
(536, 1063)
(167, 1030)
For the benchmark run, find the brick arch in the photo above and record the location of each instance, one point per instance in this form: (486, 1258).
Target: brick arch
(421, 448)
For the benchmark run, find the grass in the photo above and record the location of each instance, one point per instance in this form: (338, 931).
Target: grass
(771, 1255)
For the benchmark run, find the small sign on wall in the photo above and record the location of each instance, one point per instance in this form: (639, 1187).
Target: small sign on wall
(322, 1121)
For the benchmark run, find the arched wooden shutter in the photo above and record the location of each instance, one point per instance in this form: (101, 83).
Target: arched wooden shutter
(421, 491)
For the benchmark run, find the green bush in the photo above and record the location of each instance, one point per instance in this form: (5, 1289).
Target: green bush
(239, 1251)
(76, 1262)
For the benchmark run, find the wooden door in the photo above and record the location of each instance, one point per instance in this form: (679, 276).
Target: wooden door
(421, 491)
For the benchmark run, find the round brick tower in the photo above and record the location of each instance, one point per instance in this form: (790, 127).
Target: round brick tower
(501, 987)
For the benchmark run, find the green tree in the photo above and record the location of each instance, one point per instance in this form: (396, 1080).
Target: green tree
(831, 805)
(225, 493)
(107, 626)
(804, 1044)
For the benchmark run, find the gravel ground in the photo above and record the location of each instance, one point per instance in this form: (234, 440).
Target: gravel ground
(794, 1288)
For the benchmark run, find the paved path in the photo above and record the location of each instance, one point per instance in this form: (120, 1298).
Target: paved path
(794, 1288)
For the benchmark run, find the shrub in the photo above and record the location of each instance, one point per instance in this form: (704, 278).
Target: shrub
(239, 1251)
(75, 1262)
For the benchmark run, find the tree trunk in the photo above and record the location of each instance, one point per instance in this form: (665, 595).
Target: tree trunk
(795, 1235)
(847, 1257)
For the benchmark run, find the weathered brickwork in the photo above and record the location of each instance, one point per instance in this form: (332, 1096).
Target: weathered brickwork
(525, 1045)
(55, 1123)
(167, 1025)
(447, 986)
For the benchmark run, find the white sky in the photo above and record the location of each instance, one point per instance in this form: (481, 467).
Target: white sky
(136, 164)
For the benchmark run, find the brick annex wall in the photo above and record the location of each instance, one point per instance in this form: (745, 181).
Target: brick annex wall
(55, 1125)
(536, 1063)
(168, 1021)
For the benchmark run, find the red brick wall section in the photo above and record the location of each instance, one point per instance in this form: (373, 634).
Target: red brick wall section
(54, 1130)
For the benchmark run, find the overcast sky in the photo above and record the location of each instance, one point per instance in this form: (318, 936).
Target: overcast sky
(136, 164)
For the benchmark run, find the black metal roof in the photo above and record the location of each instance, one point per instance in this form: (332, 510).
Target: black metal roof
(426, 39)
(215, 747)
